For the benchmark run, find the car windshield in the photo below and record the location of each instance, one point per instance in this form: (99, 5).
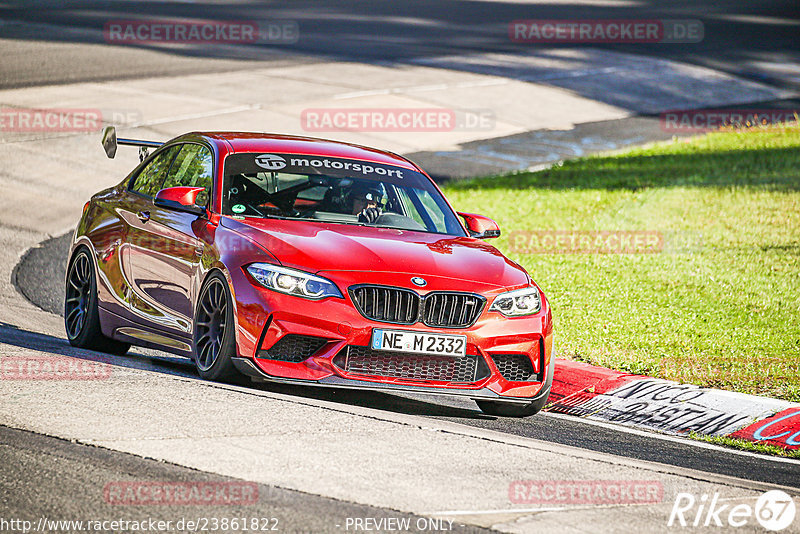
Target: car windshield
(334, 190)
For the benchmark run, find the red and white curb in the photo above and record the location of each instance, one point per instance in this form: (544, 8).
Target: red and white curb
(643, 402)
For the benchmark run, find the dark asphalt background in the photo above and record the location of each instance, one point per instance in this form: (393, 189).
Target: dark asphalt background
(739, 35)
(56, 479)
(54, 42)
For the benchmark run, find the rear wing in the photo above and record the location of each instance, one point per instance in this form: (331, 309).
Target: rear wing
(110, 143)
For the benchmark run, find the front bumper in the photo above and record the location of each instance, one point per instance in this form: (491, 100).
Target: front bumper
(266, 317)
(247, 367)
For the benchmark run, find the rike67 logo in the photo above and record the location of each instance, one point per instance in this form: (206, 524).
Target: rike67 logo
(774, 510)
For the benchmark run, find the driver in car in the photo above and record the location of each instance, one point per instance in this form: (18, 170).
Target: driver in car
(367, 203)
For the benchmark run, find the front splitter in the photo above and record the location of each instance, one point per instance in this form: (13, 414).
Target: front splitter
(248, 368)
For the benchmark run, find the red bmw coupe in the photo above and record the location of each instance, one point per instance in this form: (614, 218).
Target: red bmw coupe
(306, 261)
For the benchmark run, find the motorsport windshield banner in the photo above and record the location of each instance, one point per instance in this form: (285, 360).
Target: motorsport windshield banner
(254, 162)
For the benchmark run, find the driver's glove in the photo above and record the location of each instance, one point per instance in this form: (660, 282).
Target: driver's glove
(369, 215)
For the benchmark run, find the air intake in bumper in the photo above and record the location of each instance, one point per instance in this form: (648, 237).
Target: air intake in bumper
(366, 361)
(293, 348)
(515, 367)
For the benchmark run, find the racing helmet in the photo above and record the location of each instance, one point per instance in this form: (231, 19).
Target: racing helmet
(367, 191)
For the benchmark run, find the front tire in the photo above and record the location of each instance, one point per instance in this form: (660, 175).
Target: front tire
(214, 340)
(81, 318)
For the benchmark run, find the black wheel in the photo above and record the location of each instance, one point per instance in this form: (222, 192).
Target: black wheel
(214, 337)
(81, 319)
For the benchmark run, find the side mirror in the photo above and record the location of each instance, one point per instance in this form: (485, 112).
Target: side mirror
(180, 199)
(480, 227)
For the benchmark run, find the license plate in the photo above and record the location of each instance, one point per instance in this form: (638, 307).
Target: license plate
(419, 342)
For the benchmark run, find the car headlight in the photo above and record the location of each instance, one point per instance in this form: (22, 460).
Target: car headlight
(293, 282)
(525, 301)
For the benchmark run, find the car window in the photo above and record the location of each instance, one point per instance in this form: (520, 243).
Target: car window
(334, 190)
(421, 206)
(273, 182)
(192, 168)
(148, 181)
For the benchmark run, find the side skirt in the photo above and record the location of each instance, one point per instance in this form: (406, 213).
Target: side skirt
(122, 329)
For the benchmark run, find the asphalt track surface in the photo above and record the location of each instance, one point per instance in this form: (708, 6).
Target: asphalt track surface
(83, 473)
(53, 42)
(755, 40)
(39, 277)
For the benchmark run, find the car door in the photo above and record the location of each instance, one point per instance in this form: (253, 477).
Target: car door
(165, 257)
(131, 208)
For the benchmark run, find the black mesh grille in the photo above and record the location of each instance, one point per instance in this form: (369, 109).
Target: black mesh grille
(452, 310)
(366, 361)
(387, 304)
(402, 306)
(293, 348)
(514, 367)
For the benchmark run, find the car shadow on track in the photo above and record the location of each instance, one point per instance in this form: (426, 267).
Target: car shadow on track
(145, 360)
(374, 399)
(159, 362)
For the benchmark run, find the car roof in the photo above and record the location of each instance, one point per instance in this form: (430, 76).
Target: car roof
(290, 144)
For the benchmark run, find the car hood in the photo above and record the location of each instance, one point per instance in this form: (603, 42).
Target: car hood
(315, 247)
